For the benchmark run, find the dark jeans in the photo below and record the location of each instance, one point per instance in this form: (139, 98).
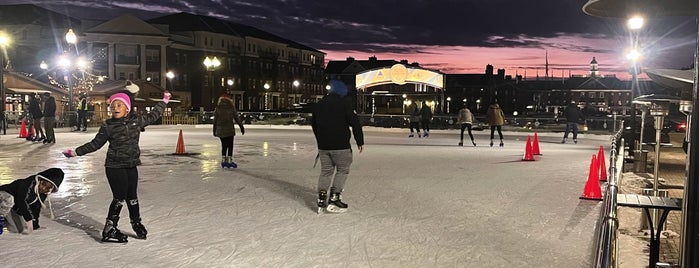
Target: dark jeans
(82, 120)
(414, 125)
(227, 146)
(425, 125)
(492, 131)
(571, 127)
(464, 127)
(49, 122)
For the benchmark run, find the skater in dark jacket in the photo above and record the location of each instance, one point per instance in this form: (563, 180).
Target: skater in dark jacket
(49, 117)
(573, 116)
(225, 119)
(26, 198)
(37, 114)
(414, 120)
(332, 118)
(122, 132)
(425, 118)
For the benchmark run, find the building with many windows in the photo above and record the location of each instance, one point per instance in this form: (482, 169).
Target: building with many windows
(261, 70)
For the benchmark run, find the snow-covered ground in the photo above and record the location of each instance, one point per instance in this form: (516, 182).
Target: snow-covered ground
(413, 203)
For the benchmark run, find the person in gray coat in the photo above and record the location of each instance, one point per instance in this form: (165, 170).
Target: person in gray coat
(225, 119)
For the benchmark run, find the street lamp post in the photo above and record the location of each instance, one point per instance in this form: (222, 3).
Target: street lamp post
(296, 84)
(170, 75)
(72, 40)
(448, 103)
(4, 41)
(211, 65)
(634, 24)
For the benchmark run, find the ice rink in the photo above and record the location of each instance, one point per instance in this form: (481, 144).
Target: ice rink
(412, 203)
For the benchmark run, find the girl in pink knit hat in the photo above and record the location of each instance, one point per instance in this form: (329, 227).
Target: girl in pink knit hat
(122, 132)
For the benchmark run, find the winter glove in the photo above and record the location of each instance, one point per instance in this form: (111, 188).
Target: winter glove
(30, 227)
(69, 153)
(166, 97)
(242, 130)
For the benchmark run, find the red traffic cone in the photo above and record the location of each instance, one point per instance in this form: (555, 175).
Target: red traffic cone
(592, 189)
(535, 145)
(601, 164)
(180, 145)
(528, 156)
(23, 130)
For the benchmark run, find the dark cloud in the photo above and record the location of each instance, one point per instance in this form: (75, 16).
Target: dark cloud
(395, 26)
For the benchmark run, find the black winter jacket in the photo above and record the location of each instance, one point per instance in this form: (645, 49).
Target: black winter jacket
(123, 135)
(35, 108)
(573, 114)
(50, 107)
(332, 117)
(26, 204)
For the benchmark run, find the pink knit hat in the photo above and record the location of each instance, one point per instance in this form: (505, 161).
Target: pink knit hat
(123, 98)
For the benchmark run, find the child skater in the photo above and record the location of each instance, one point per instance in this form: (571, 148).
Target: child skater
(122, 132)
(21, 200)
(225, 118)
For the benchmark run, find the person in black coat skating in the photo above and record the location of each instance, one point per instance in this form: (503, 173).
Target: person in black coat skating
(332, 118)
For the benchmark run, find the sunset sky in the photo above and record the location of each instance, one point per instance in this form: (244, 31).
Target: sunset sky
(453, 36)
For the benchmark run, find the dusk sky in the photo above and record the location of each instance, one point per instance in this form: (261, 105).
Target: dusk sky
(453, 36)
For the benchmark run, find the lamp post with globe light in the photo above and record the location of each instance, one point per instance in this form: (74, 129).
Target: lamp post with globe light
(170, 75)
(211, 64)
(4, 41)
(72, 40)
(296, 84)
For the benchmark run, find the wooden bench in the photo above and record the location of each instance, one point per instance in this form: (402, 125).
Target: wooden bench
(646, 203)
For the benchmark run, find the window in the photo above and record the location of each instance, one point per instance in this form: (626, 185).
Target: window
(152, 55)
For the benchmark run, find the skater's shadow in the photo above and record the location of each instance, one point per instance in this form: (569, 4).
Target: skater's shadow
(68, 217)
(304, 195)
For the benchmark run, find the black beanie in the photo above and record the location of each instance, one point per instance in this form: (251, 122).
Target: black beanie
(53, 175)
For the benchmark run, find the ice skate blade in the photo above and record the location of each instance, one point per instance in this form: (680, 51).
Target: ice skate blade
(141, 237)
(114, 240)
(335, 209)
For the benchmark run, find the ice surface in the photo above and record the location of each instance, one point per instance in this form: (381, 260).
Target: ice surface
(412, 203)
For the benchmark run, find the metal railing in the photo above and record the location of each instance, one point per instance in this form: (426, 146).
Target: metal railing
(608, 223)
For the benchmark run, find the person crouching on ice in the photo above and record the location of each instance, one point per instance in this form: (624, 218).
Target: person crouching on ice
(122, 131)
(21, 200)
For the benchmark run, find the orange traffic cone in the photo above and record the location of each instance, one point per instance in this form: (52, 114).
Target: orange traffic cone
(23, 130)
(180, 145)
(535, 145)
(592, 189)
(528, 156)
(601, 164)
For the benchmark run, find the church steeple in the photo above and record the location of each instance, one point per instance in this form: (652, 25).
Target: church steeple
(593, 68)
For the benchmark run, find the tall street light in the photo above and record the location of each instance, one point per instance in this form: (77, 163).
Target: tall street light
(72, 40)
(296, 84)
(689, 246)
(4, 41)
(211, 65)
(170, 75)
(634, 24)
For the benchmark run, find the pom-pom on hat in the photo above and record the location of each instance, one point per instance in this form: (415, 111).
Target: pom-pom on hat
(123, 98)
(338, 87)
